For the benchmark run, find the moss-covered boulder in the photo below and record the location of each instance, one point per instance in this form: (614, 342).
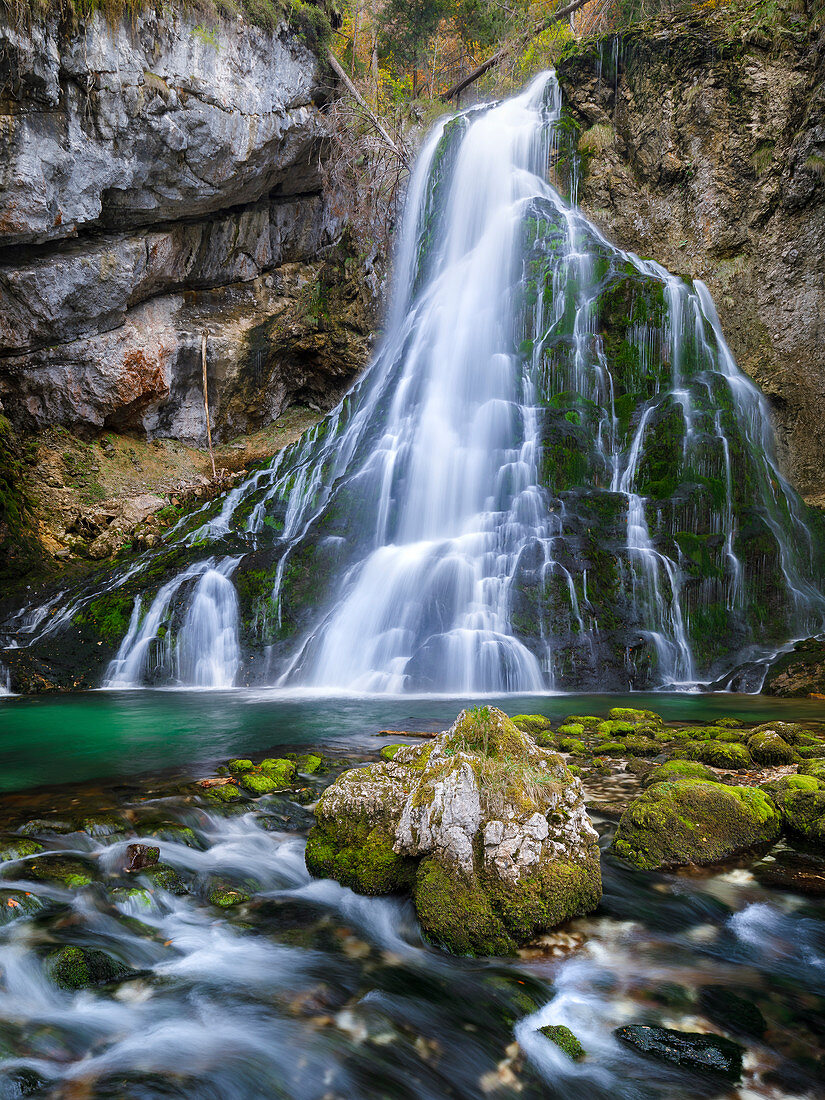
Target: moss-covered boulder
(18, 848)
(224, 792)
(800, 800)
(308, 762)
(635, 717)
(767, 747)
(80, 967)
(238, 766)
(790, 732)
(690, 821)
(679, 769)
(816, 768)
(485, 829)
(531, 723)
(281, 771)
(389, 751)
(719, 754)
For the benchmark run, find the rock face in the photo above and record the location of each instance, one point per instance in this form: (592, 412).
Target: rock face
(693, 821)
(159, 180)
(487, 830)
(705, 148)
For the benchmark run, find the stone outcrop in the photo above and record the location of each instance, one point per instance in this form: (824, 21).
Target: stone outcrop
(704, 147)
(487, 830)
(160, 179)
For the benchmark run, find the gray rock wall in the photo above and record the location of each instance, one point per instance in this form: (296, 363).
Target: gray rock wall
(158, 181)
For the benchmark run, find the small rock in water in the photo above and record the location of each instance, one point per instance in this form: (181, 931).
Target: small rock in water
(688, 1049)
(141, 856)
(563, 1037)
(729, 1010)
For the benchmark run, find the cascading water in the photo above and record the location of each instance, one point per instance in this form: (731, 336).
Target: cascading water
(552, 475)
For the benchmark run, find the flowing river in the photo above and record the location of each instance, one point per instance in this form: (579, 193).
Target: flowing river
(307, 990)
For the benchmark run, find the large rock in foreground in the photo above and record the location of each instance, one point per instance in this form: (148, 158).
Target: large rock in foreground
(486, 830)
(693, 821)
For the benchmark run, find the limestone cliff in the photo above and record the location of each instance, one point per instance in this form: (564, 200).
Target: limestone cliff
(159, 179)
(702, 144)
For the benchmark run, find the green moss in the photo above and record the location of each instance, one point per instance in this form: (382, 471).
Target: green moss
(769, 748)
(18, 849)
(717, 754)
(226, 792)
(571, 729)
(801, 802)
(587, 721)
(557, 892)
(309, 762)
(531, 723)
(572, 744)
(692, 821)
(281, 771)
(728, 723)
(164, 877)
(616, 728)
(389, 751)
(363, 860)
(225, 894)
(108, 616)
(63, 870)
(257, 784)
(563, 1037)
(239, 765)
(613, 748)
(636, 717)
(456, 914)
(679, 769)
(75, 968)
(637, 745)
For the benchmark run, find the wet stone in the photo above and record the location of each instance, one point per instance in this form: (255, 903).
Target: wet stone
(80, 967)
(802, 872)
(564, 1038)
(712, 1054)
(732, 1011)
(141, 856)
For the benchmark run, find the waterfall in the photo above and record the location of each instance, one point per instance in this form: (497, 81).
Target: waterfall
(5, 680)
(204, 653)
(552, 475)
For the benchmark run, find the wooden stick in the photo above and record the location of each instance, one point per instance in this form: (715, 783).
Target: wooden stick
(534, 31)
(206, 404)
(353, 91)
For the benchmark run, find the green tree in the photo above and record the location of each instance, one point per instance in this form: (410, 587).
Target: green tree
(406, 30)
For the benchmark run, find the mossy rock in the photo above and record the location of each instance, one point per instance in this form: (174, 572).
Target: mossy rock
(614, 728)
(531, 723)
(690, 821)
(680, 769)
(100, 826)
(728, 723)
(571, 729)
(359, 857)
(18, 848)
(718, 754)
(635, 717)
(225, 894)
(811, 752)
(791, 732)
(548, 897)
(389, 751)
(281, 771)
(816, 768)
(767, 747)
(257, 784)
(75, 968)
(15, 904)
(308, 762)
(587, 721)
(638, 745)
(225, 792)
(175, 834)
(239, 765)
(164, 877)
(563, 1037)
(40, 825)
(613, 748)
(573, 745)
(67, 871)
(801, 802)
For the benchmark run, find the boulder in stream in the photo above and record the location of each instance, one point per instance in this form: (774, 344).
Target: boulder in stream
(693, 821)
(485, 829)
(691, 1050)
